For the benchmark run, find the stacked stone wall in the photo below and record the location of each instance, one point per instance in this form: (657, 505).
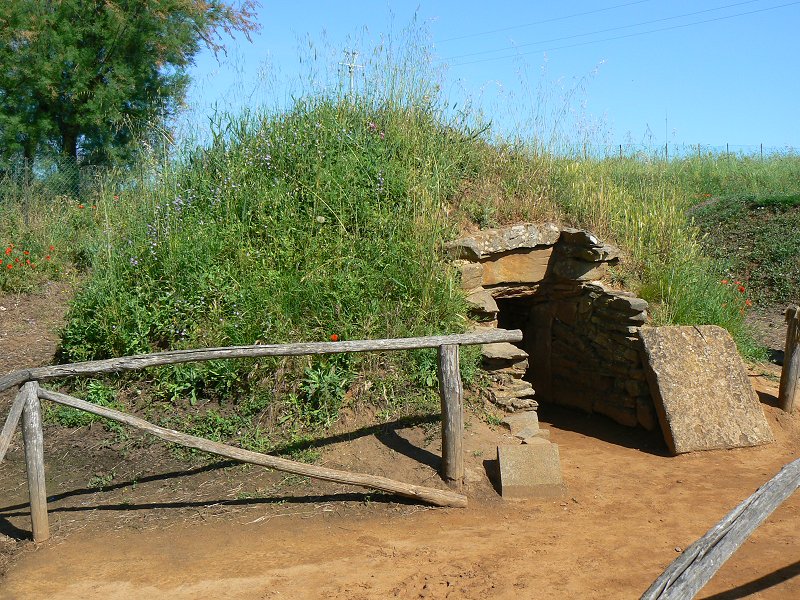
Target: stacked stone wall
(581, 336)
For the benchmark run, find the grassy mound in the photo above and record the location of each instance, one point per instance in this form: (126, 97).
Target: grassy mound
(323, 221)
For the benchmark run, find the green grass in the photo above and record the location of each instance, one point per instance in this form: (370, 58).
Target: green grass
(324, 220)
(757, 239)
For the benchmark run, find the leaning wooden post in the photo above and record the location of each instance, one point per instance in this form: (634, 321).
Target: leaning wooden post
(34, 461)
(790, 375)
(14, 414)
(451, 392)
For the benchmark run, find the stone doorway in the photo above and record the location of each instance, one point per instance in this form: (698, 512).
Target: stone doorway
(581, 342)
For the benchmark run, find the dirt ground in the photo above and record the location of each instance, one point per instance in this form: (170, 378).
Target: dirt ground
(145, 524)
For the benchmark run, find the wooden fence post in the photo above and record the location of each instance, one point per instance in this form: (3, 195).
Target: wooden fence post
(790, 375)
(34, 461)
(451, 392)
(14, 414)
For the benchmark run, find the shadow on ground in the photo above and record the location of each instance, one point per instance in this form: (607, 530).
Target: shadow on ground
(602, 428)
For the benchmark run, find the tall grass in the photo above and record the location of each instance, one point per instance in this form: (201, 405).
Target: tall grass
(327, 219)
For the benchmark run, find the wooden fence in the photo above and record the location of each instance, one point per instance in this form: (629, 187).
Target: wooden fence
(790, 375)
(699, 562)
(26, 406)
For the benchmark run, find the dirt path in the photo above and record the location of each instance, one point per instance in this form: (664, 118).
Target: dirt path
(148, 528)
(627, 514)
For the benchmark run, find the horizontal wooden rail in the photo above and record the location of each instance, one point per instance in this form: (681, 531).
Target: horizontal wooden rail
(143, 361)
(699, 562)
(430, 495)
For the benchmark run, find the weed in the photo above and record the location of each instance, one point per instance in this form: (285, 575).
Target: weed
(96, 392)
(101, 480)
(323, 388)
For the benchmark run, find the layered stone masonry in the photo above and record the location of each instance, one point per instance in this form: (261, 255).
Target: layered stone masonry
(581, 343)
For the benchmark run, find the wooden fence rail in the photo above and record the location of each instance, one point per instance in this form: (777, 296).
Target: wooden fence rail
(144, 361)
(699, 562)
(26, 406)
(789, 390)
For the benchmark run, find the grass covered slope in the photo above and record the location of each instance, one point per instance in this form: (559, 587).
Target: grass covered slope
(324, 220)
(757, 239)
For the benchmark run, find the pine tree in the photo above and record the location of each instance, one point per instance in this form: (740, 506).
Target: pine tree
(85, 77)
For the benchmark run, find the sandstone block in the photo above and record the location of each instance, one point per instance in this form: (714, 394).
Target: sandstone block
(503, 351)
(515, 370)
(482, 301)
(464, 249)
(512, 403)
(520, 421)
(471, 275)
(493, 241)
(573, 269)
(530, 471)
(539, 434)
(700, 389)
(529, 266)
(629, 305)
(582, 245)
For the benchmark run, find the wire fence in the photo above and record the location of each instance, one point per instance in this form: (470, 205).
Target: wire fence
(47, 176)
(667, 152)
(63, 176)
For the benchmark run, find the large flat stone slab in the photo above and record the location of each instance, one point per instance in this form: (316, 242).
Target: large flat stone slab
(701, 391)
(530, 470)
(522, 266)
(492, 241)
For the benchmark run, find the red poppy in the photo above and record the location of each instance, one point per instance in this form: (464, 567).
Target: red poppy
(52, 248)
(334, 337)
(8, 251)
(47, 257)
(28, 261)
(724, 282)
(748, 302)
(25, 252)
(741, 289)
(80, 206)
(10, 266)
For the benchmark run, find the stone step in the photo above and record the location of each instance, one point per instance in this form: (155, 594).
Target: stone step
(530, 471)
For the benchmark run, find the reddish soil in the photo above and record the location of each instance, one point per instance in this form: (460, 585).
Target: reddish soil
(145, 524)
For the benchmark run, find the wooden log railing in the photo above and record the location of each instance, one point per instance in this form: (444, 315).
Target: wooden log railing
(26, 406)
(699, 562)
(789, 391)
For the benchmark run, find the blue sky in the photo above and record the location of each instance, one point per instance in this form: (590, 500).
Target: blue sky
(605, 72)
